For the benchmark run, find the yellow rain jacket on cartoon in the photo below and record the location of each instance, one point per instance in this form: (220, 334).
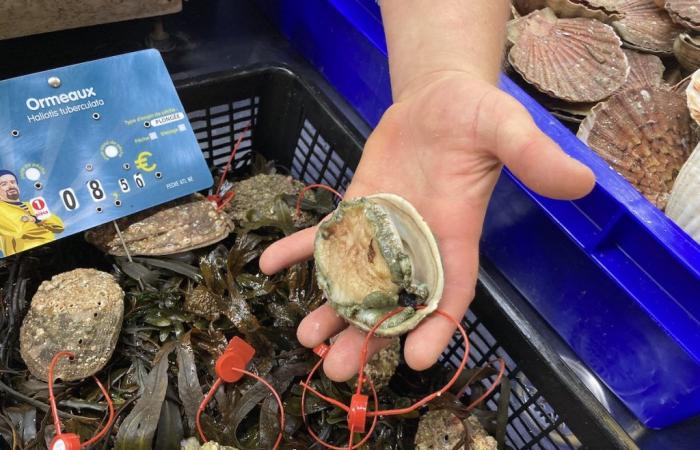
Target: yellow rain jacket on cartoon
(19, 232)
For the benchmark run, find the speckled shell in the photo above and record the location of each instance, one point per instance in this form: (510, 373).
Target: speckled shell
(383, 364)
(684, 12)
(692, 93)
(644, 134)
(578, 60)
(79, 311)
(443, 430)
(686, 49)
(684, 202)
(176, 227)
(371, 250)
(259, 193)
(645, 27)
(645, 70)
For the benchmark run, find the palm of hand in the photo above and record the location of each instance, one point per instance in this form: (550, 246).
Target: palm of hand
(441, 148)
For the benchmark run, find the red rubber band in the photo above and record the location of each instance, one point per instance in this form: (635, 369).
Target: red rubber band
(215, 387)
(54, 409)
(300, 198)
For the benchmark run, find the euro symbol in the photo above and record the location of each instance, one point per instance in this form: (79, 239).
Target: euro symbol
(142, 162)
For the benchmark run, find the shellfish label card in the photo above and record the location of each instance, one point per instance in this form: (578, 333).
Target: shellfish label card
(87, 144)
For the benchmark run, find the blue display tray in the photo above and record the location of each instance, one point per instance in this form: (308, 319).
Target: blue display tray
(617, 279)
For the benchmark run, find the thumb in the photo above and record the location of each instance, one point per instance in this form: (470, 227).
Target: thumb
(535, 158)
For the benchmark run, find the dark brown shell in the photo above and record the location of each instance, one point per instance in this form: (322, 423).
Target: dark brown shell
(644, 134)
(684, 12)
(645, 27)
(578, 60)
(645, 70)
(79, 311)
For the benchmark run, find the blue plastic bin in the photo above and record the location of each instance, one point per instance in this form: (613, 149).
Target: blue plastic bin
(617, 279)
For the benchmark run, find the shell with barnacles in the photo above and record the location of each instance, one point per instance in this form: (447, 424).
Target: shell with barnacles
(79, 311)
(180, 226)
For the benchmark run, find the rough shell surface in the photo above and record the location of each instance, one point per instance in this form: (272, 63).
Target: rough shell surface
(645, 70)
(692, 93)
(684, 202)
(176, 227)
(606, 5)
(567, 9)
(79, 311)
(684, 12)
(686, 49)
(193, 444)
(383, 365)
(259, 193)
(644, 134)
(578, 60)
(442, 430)
(374, 251)
(645, 27)
(202, 302)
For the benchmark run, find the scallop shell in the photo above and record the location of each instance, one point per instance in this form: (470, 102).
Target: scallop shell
(578, 60)
(572, 9)
(692, 93)
(611, 6)
(684, 12)
(684, 202)
(79, 311)
(686, 48)
(524, 7)
(373, 252)
(645, 27)
(645, 70)
(645, 135)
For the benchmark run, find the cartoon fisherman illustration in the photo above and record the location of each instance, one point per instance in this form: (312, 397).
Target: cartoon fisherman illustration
(20, 226)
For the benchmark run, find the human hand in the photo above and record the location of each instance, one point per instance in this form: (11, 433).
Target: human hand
(441, 146)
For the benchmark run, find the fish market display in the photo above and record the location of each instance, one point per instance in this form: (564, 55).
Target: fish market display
(152, 327)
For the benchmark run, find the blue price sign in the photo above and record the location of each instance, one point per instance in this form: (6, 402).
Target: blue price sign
(90, 143)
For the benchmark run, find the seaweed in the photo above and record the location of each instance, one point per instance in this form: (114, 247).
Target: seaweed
(169, 342)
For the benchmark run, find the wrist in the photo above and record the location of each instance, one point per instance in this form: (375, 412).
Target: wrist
(420, 82)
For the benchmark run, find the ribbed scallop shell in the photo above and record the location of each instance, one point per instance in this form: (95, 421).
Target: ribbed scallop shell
(645, 27)
(692, 93)
(644, 134)
(686, 49)
(572, 9)
(685, 12)
(578, 60)
(684, 202)
(606, 5)
(645, 70)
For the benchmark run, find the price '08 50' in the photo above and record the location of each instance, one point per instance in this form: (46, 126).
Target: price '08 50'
(97, 192)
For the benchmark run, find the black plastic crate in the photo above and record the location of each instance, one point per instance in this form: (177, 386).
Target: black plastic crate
(291, 122)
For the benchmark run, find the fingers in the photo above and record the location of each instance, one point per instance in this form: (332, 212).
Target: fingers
(288, 251)
(535, 158)
(319, 326)
(343, 360)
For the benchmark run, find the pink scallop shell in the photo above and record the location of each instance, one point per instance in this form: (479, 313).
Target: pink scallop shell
(578, 60)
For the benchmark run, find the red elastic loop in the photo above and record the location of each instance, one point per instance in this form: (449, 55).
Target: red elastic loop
(311, 432)
(232, 365)
(68, 440)
(356, 420)
(300, 198)
(231, 157)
